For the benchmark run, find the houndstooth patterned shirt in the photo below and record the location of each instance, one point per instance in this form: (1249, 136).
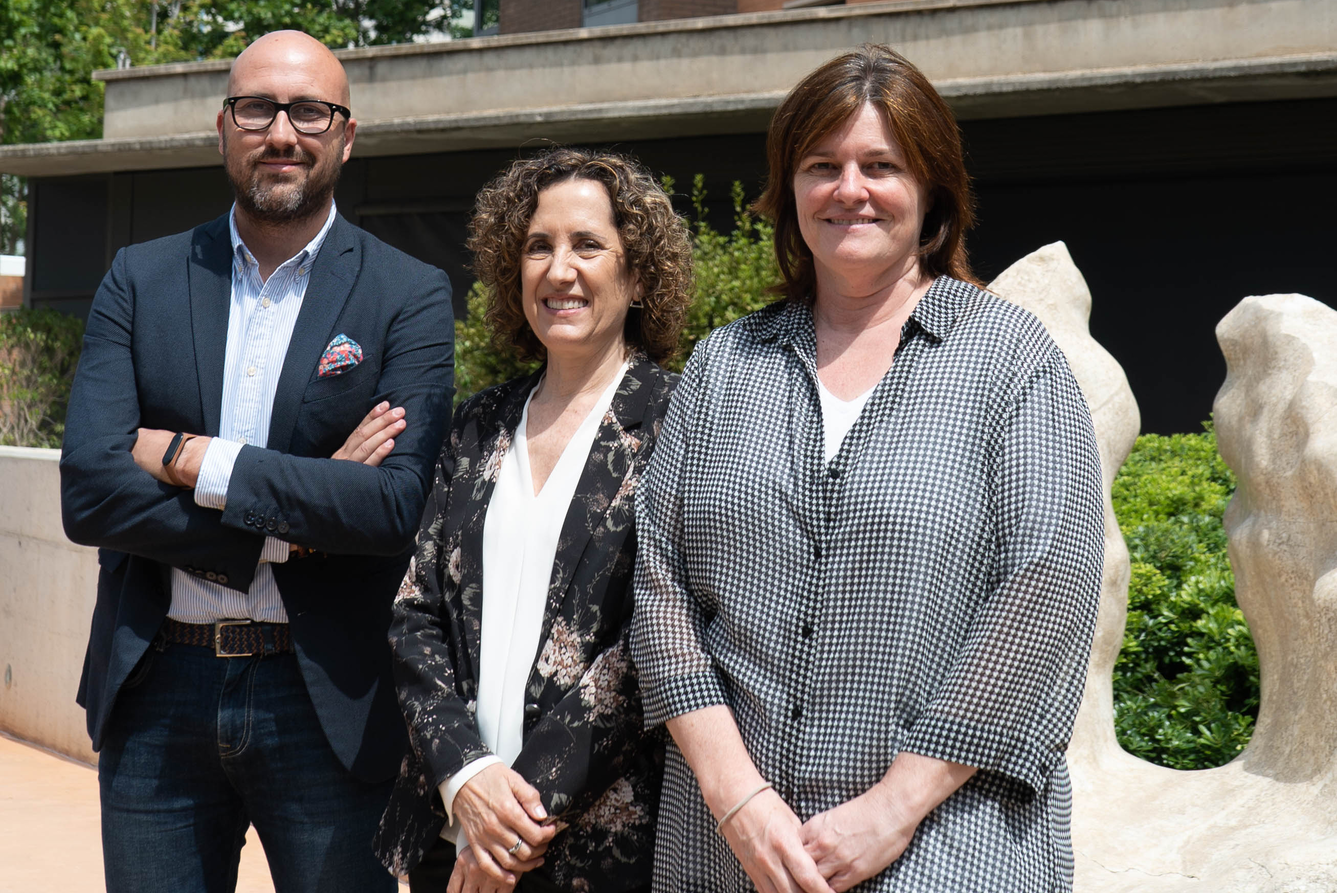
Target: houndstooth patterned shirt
(933, 589)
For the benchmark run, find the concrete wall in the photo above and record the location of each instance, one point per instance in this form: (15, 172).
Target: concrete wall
(748, 55)
(47, 589)
(990, 59)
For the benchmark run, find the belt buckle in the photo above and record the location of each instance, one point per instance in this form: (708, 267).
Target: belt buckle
(218, 638)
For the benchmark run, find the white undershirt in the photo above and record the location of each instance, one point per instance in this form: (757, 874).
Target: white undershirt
(520, 534)
(839, 416)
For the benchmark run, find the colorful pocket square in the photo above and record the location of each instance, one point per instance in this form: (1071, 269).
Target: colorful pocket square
(343, 354)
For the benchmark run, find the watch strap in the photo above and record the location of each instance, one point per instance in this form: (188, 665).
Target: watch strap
(172, 448)
(169, 460)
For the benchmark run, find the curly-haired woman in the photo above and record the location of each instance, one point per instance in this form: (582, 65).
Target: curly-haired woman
(529, 764)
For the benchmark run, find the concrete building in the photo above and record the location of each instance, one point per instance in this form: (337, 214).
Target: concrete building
(1182, 148)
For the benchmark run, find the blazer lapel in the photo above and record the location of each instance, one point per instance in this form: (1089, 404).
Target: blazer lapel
(481, 485)
(611, 460)
(210, 281)
(332, 277)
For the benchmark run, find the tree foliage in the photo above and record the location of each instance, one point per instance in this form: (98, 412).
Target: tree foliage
(1186, 687)
(39, 350)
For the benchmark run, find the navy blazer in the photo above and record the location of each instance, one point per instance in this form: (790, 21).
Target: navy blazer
(153, 357)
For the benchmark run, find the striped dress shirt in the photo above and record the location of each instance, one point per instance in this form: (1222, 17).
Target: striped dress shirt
(260, 323)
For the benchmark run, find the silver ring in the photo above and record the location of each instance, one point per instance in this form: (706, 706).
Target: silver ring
(515, 849)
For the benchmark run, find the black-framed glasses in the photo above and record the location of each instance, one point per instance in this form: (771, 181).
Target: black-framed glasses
(307, 116)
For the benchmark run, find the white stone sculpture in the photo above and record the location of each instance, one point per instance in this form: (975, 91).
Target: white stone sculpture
(1048, 283)
(1266, 822)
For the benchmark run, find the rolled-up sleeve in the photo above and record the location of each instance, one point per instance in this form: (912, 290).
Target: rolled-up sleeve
(668, 628)
(1009, 700)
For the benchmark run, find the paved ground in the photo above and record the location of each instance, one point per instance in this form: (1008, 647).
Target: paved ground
(50, 838)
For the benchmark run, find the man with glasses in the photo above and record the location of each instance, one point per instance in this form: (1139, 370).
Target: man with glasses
(250, 439)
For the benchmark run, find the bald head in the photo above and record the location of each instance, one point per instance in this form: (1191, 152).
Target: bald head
(289, 58)
(285, 163)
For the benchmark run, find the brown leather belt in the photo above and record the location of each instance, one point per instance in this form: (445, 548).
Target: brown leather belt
(231, 638)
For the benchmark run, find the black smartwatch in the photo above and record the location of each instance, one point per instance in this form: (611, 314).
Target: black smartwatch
(172, 449)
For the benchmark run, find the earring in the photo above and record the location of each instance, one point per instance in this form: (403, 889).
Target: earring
(637, 304)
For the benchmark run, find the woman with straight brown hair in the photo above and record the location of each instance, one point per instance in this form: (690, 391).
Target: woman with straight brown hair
(871, 538)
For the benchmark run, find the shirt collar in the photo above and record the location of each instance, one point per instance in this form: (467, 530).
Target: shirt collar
(790, 322)
(937, 311)
(243, 254)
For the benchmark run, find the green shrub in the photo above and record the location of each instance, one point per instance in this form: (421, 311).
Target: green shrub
(1186, 682)
(733, 273)
(479, 365)
(38, 352)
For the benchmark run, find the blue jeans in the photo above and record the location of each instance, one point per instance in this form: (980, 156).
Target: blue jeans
(198, 748)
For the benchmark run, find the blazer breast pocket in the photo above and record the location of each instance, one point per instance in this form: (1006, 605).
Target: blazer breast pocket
(331, 408)
(359, 378)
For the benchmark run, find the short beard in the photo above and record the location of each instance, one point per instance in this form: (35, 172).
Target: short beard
(273, 203)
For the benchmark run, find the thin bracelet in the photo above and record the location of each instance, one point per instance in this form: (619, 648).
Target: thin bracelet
(741, 803)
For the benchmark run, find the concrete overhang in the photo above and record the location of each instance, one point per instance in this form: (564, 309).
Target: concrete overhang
(726, 74)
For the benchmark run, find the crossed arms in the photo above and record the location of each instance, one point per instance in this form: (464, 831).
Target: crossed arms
(335, 506)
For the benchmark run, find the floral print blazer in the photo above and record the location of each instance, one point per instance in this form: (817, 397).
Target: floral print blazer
(584, 749)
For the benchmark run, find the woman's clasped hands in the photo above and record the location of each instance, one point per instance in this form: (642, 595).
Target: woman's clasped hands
(830, 853)
(766, 837)
(503, 819)
(857, 839)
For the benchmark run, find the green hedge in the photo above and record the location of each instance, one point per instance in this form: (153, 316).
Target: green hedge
(1186, 683)
(38, 352)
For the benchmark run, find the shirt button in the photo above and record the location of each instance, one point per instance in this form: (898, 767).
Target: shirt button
(265, 302)
(834, 473)
(796, 713)
(243, 441)
(807, 631)
(250, 371)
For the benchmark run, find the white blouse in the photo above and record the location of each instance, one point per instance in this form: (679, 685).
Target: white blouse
(839, 416)
(520, 534)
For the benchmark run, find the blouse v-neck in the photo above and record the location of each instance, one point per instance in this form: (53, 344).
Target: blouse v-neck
(520, 540)
(576, 448)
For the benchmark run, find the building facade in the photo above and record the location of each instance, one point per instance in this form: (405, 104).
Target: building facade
(1184, 151)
